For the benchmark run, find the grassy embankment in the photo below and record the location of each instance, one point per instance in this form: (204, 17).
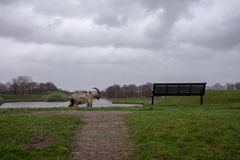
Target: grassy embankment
(36, 136)
(33, 97)
(179, 128)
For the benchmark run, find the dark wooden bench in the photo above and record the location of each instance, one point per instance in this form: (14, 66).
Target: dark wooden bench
(178, 89)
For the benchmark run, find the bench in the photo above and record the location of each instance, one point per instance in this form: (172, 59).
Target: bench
(179, 89)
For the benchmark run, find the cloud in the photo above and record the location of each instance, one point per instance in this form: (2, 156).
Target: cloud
(214, 24)
(85, 23)
(97, 43)
(110, 20)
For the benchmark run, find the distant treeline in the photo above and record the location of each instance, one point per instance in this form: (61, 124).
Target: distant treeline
(25, 85)
(117, 91)
(132, 90)
(227, 86)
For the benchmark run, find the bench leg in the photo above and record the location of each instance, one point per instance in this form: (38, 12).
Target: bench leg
(152, 100)
(201, 100)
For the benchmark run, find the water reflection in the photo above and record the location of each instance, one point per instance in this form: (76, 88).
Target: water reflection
(99, 103)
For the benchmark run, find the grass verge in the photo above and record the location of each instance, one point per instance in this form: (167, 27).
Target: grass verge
(36, 136)
(186, 133)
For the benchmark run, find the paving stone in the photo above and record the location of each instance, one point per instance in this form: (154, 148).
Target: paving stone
(102, 137)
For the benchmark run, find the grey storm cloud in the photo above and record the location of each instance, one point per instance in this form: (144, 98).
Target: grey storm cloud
(84, 23)
(214, 27)
(98, 43)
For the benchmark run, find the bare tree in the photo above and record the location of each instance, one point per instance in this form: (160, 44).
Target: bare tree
(125, 91)
(3, 88)
(218, 86)
(237, 85)
(114, 91)
(230, 86)
(21, 85)
(25, 85)
(132, 90)
(51, 87)
(146, 90)
(14, 86)
(33, 88)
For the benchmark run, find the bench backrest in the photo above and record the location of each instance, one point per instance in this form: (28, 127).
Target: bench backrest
(175, 89)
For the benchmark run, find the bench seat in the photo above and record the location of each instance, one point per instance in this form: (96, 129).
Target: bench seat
(179, 89)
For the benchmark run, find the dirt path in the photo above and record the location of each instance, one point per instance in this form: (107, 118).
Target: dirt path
(102, 137)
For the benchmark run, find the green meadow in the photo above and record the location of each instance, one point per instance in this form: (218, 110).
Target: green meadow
(36, 136)
(181, 128)
(172, 128)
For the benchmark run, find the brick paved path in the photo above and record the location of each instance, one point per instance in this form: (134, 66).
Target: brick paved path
(102, 137)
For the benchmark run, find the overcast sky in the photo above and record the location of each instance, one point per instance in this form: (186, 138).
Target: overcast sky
(81, 44)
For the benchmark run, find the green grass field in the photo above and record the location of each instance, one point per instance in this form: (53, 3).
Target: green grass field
(179, 128)
(131, 100)
(211, 97)
(36, 136)
(173, 128)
